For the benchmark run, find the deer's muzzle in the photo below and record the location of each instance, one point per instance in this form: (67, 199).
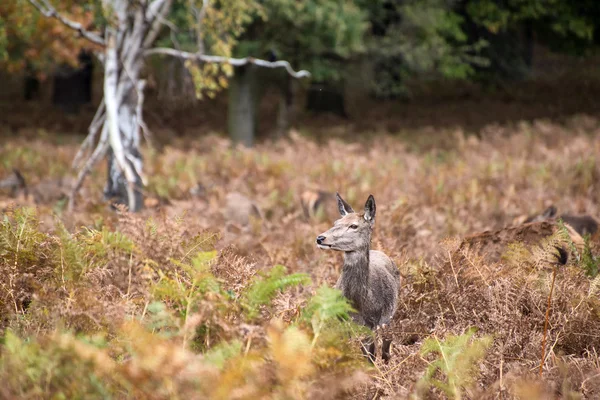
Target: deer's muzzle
(321, 244)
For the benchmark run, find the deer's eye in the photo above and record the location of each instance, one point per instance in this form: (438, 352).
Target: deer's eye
(354, 226)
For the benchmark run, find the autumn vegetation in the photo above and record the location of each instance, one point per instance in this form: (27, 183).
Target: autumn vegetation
(184, 299)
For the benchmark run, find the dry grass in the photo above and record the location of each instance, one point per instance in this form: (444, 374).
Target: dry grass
(431, 191)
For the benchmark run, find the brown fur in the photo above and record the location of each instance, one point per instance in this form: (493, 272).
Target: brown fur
(491, 245)
(239, 209)
(582, 224)
(318, 203)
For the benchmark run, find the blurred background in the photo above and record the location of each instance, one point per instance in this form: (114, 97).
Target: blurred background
(384, 66)
(228, 125)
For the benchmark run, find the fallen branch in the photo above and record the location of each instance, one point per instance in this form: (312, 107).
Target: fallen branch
(49, 11)
(236, 62)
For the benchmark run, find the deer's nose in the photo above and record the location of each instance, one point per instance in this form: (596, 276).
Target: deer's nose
(320, 239)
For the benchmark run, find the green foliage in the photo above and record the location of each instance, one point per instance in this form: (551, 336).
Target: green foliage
(328, 314)
(325, 32)
(424, 38)
(212, 28)
(562, 17)
(589, 262)
(457, 362)
(30, 40)
(219, 354)
(178, 313)
(188, 283)
(327, 304)
(265, 286)
(104, 242)
(46, 370)
(560, 25)
(20, 237)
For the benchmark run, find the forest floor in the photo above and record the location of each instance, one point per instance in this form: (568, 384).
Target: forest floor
(73, 281)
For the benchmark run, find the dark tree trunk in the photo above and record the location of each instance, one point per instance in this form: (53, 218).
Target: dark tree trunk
(31, 87)
(243, 104)
(73, 87)
(286, 112)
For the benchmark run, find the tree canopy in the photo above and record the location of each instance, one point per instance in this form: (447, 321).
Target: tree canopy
(317, 35)
(29, 39)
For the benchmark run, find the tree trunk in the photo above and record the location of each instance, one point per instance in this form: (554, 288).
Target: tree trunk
(286, 114)
(243, 99)
(123, 95)
(115, 189)
(31, 87)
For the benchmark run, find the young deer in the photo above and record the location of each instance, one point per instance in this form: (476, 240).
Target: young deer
(582, 224)
(370, 280)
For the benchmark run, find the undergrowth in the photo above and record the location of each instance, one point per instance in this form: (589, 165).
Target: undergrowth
(93, 314)
(101, 304)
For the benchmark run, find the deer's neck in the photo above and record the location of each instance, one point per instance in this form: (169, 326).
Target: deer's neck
(355, 275)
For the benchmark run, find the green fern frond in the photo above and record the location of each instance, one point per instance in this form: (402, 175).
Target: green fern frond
(20, 237)
(515, 254)
(221, 353)
(588, 261)
(101, 242)
(201, 242)
(264, 287)
(328, 313)
(327, 303)
(70, 254)
(457, 358)
(188, 284)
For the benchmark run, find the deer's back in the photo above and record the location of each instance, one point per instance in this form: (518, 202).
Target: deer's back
(583, 224)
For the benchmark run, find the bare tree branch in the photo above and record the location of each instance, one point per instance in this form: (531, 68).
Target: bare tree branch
(156, 15)
(140, 110)
(49, 11)
(97, 122)
(98, 153)
(227, 60)
(199, 19)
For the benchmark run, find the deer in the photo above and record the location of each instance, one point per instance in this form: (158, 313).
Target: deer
(316, 201)
(370, 280)
(582, 224)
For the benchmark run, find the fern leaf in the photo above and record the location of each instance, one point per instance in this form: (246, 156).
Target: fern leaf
(265, 287)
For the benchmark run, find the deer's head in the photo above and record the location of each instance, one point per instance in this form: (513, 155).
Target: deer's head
(548, 213)
(351, 232)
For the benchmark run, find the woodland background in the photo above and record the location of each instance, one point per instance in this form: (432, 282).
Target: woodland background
(458, 116)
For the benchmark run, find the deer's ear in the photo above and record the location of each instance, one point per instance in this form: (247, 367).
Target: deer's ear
(370, 209)
(343, 207)
(550, 212)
